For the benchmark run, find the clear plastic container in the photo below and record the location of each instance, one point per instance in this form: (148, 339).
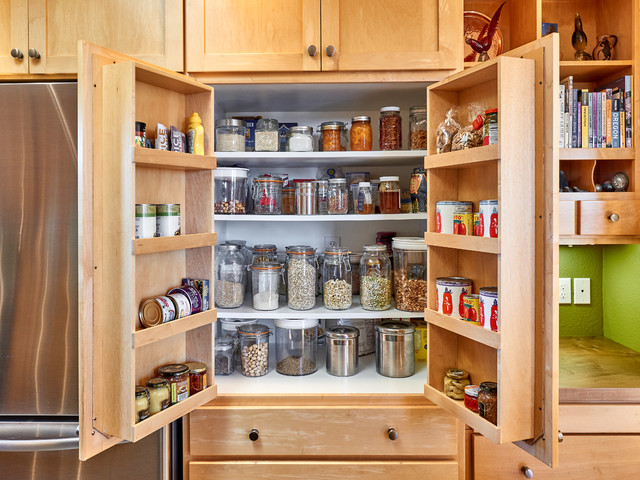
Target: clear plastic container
(336, 278)
(337, 197)
(300, 139)
(267, 195)
(389, 195)
(265, 280)
(301, 277)
(375, 278)
(230, 271)
(266, 135)
(230, 135)
(230, 190)
(224, 349)
(418, 128)
(296, 346)
(254, 349)
(410, 273)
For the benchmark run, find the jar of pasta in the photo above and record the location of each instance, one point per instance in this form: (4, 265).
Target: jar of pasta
(361, 135)
(390, 128)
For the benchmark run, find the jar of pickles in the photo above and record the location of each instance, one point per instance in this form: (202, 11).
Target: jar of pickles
(333, 136)
(336, 278)
(454, 382)
(361, 135)
(418, 128)
(159, 394)
(390, 128)
(267, 195)
(337, 197)
(375, 278)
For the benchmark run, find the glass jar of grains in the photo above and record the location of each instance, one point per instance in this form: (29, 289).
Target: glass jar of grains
(301, 277)
(375, 278)
(230, 135)
(390, 128)
(336, 278)
(229, 276)
(418, 128)
(361, 135)
(266, 135)
(322, 200)
(337, 197)
(333, 136)
(254, 348)
(300, 139)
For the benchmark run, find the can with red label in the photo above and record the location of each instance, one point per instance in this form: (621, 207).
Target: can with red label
(462, 223)
(156, 310)
(471, 305)
(489, 218)
(192, 294)
(476, 224)
(450, 292)
(489, 318)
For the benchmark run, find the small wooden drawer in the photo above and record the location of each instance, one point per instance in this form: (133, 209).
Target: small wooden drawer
(612, 217)
(335, 432)
(580, 457)
(568, 218)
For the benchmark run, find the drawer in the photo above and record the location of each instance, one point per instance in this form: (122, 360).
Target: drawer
(568, 218)
(596, 217)
(422, 431)
(443, 470)
(580, 457)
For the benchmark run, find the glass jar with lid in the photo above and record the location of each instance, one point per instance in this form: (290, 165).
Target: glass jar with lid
(254, 349)
(177, 375)
(390, 128)
(142, 403)
(337, 197)
(488, 401)
(266, 135)
(159, 394)
(336, 278)
(333, 136)
(231, 135)
(418, 128)
(454, 382)
(264, 252)
(323, 190)
(410, 273)
(300, 139)
(361, 134)
(288, 201)
(301, 277)
(229, 277)
(229, 328)
(375, 278)
(265, 281)
(267, 195)
(389, 195)
(296, 346)
(224, 348)
(354, 259)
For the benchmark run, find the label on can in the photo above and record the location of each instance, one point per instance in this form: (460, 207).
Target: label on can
(183, 305)
(450, 293)
(156, 310)
(192, 294)
(462, 223)
(471, 306)
(145, 220)
(488, 218)
(168, 219)
(488, 308)
(476, 224)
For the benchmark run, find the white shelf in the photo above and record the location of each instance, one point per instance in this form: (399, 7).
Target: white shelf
(376, 217)
(316, 159)
(366, 381)
(318, 311)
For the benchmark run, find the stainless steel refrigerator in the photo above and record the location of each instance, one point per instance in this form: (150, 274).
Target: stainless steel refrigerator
(38, 296)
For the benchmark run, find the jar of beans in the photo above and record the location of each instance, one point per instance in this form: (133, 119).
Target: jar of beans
(337, 197)
(254, 349)
(336, 278)
(390, 128)
(375, 278)
(301, 277)
(361, 135)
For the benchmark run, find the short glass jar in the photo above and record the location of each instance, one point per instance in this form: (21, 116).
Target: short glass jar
(264, 252)
(410, 273)
(231, 135)
(337, 197)
(159, 394)
(418, 128)
(389, 195)
(254, 349)
(336, 278)
(265, 281)
(296, 346)
(197, 377)
(224, 348)
(301, 277)
(267, 195)
(361, 135)
(488, 401)
(390, 128)
(142, 403)
(471, 397)
(454, 382)
(229, 276)
(266, 135)
(177, 375)
(300, 139)
(229, 328)
(333, 136)
(288, 201)
(375, 278)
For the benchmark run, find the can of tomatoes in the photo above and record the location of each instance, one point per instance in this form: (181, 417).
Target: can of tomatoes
(488, 308)
(471, 305)
(191, 292)
(156, 310)
(488, 218)
(445, 210)
(450, 292)
(462, 223)
(476, 224)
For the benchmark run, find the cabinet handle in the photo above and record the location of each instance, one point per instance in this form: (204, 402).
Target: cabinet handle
(34, 54)
(560, 436)
(254, 434)
(312, 50)
(17, 54)
(331, 51)
(392, 433)
(527, 472)
(614, 217)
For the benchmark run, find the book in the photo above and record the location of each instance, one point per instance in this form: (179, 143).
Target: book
(561, 116)
(568, 109)
(590, 119)
(574, 118)
(598, 131)
(622, 127)
(623, 84)
(584, 107)
(603, 119)
(615, 123)
(608, 114)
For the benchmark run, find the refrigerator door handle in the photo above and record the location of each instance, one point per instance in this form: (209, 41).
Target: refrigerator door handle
(38, 437)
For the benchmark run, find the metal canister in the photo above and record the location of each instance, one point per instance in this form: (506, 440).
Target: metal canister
(191, 292)
(156, 310)
(306, 198)
(145, 220)
(342, 351)
(167, 219)
(394, 349)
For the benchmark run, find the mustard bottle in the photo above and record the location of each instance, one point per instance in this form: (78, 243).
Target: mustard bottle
(195, 135)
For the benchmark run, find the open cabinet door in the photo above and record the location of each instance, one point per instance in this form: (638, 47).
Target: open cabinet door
(117, 272)
(518, 348)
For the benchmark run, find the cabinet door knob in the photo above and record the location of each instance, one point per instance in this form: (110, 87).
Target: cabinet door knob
(560, 436)
(254, 434)
(331, 51)
(312, 50)
(17, 54)
(614, 217)
(392, 433)
(34, 54)
(527, 472)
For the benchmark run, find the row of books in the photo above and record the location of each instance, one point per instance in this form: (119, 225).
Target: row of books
(598, 119)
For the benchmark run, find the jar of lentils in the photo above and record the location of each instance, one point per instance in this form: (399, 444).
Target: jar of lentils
(266, 135)
(375, 278)
(337, 197)
(301, 277)
(254, 349)
(361, 135)
(336, 278)
(390, 128)
(267, 195)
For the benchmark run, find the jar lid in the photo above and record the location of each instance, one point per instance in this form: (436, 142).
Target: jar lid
(489, 387)
(332, 125)
(304, 185)
(141, 391)
(302, 130)
(270, 123)
(296, 323)
(230, 172)
(471, 390)
(157, 382)
(342, 332)
(253, 330)
(355, 257)
(488, 202)
(338, 180)
(489, 291)
(364, 184)
(418, 109)
(196, 367)
(230, 122)
(300, 250)
(266, 266)
(264, 247)
(268, 179)
(229, 248)
(457, 373)
(390, 109)
(453, 281)
(232, 324)
(337, 251)
(408, 243)
(288, 189)
(393, 327)
(141, 125)
(361, 118)
(374, 248)
(491, 110)
(224, 343)
(390, 179)
(173, 369)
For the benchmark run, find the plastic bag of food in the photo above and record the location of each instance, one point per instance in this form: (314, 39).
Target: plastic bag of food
(471, 135)
(446, 131)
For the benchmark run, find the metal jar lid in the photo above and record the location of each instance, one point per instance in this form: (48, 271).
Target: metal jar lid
(157, 382)
(361, 118)
(453, 281)
(418, 109)
(342, 332)
(141, 391)
(230, 122)
(196, 367)
(253, 330)
(301, 129)
(390, 109)
(173, 370)
(489, 387)
(489, 291)
(338, 180)
(395, 328)
(332, 125)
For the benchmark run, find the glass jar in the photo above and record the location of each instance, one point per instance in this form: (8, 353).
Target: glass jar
(141, 135)
(354, 260)
(142, 403)
(265, 280)
(454, 382)
(197, 377)
(389, 194)
(364, 204)
(230, 277)
(410, 273)
(254, 349)
(244, 250)
(418, 190)
(231, 135)
(288, 201)
(296, 346)
(229, 328)
(390, 128)
(267, 195)
(159, 394)
(264, 252)
(337, 197)
(306, 198)
(361, 136)
(375, 278)
(418, 128)
(300, 139)
(471, 397)
(323, 190)
(336, 278)
(301, 277)
(266, 135)
(333, 136)
(177, 375)
(224, 349)
(375, 194)
(490, 132)
(230, 190)
(488, 401)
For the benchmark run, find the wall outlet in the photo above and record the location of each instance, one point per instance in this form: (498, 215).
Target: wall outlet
(565, 290)
(331, 242)
(582, 291)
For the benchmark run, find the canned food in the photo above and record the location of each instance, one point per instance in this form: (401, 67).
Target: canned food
(156, 310)
(488, 218)
(177, 374)
(488, 308)
(191, 292)
(197, 377)
(450, 292)
(476, 224)
(145, 220)
(471, 305)
(445, 211)
(167, 219)
(462, 223)
(182, 303)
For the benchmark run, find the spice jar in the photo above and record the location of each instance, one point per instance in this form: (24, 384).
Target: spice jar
(230, 277)
(306, 198)
(197, 377)
(301, 277)
(230, 190)
(337, 197)
(490, 133)
(323, 191)
(365, 199)
(454, 383)
(336, 277)
(296, 346)
(471, 397)
(300, 139)
(159, 394)
(230, 135)
(361, 135)
(266, 135)
(375, 278)
(265, 281)
(254, 349)
(177, 375)
(488, 401)
(418, 128)
(410, 273)
(390, 128)
(418, 190)
(389, 194)
(224, 348)
(267, 195)
(142, 403)
(288, 201)
(333, 136)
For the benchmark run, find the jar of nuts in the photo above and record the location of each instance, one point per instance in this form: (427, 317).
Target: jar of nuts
(418, 128)
(254, 349)
(410, 273)
(230, 190)
(336, 278)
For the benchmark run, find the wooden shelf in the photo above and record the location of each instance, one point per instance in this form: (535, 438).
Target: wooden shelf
(463, 242)
(150, 335)
(463, 158)
(466, 329)
(594, 70)
(376, 217)
(597, 153)
(149, 157)
(143, 246)
(577, 196)
(600, 240)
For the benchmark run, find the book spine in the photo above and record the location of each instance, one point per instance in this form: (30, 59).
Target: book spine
(574, 118)
(590, 114)
(562, 108)
(584, 107)
(609, 116)
(598, 130)
(615, 124)
(628, 110)
(623, 132)
(603, 119)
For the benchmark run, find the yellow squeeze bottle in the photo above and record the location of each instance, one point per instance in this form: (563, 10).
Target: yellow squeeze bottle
(195, 135)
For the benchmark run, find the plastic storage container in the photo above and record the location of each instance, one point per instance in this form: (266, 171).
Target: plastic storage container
(342, 350)
(230, 190)
(336, 278)
(301, 277)
(389, 195)
(296, 346)
(224, 349)
(375, 278)
(394, 349)
(230, 135)
(254, 349)
(230, 271)
(265, 281)
(410, 273)
(267, 195)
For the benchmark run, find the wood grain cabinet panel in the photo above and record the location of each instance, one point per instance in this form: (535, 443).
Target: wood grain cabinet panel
(611, 217)
(14, 33)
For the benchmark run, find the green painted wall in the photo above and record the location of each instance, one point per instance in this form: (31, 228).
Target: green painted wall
(621, 296)
(582, 320)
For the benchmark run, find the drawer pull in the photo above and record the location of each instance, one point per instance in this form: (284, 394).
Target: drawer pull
(614, 217)
(34, 54)
(527, 472)
(560, 436)
(17, 54)
(312, 50)
(254, 434)
(330, 50)
(392, 433)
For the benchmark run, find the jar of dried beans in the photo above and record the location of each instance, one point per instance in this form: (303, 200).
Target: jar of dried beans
(390, 128)
(410, 273)
(375, 278)
(361, 135)
(418, 128)
(336, 278)
(301, 277)
(337, 197)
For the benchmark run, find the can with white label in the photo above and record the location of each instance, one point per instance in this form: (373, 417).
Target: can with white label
(145, 220)
(445, 211)
(489, 316)
(450, 292)
(182, 303)
(489, 218)
(167, 219)
(156, 310)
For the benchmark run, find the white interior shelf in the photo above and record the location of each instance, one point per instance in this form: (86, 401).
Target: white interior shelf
(302, 159)
(375, 217)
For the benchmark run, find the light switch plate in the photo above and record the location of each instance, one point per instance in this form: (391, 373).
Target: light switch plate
(565, 290)
(582, 291)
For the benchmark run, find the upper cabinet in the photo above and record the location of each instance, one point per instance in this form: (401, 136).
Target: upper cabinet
(40, 37)
(327, 35)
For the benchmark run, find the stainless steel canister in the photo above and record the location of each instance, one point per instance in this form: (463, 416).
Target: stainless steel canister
(342, 351)
(306, 198)
(394, 349)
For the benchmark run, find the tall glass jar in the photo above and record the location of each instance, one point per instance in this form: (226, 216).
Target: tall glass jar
(224, 348)
(266, 135)
(267, 195)
(361, 135)
(323, 190)
(264, 252)
(375, 278)
(300, 139)
(338, 197)
(390, 128)
(333, 136)
(418, 128)
(389, 195)
(254, 349)
(336, 278)
(229, 276)
(410, 273)
(301, 277)
(296, 346)
(230, 135)
(265, 281)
